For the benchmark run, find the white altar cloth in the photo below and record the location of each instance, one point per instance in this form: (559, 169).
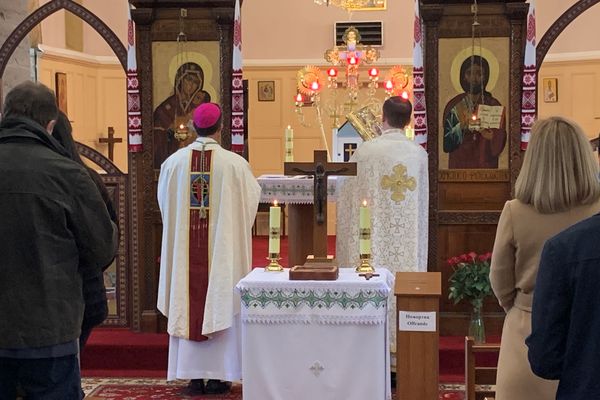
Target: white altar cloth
(292, 189)
(325, 340)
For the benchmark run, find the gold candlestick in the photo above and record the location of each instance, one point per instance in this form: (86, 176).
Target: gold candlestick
(274, 244)
(274, 265)
(365, 264)
(364, 239)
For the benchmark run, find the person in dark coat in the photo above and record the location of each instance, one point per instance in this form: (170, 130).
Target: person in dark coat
(565, 320)
(94, 292)
(56, 232)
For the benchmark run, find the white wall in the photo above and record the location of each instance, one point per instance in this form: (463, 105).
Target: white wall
(18, 67)
(301, 30)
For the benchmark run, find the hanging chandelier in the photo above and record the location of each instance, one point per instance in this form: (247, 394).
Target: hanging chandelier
(347, 90)
(181, 129)
(344, 81)
(346, 4)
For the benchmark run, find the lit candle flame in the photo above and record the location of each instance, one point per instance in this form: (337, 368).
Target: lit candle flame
(299, 98)
(405, 95)
(275, 203)
(389, 85)
(314, 85)
(364, 203)
(181, 126)
(474, 117)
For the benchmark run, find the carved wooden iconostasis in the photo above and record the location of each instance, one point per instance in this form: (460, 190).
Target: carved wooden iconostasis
(471, 177)
(116, 276)
(120, 276)
(464, 205)
(174, 78)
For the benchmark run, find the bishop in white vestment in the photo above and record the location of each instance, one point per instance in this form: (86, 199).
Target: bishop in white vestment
(208, 199)
(392, 178)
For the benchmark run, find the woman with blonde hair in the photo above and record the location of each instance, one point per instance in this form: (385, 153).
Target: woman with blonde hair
(557, 187)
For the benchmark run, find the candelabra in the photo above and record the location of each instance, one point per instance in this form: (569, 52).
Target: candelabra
(350, 92)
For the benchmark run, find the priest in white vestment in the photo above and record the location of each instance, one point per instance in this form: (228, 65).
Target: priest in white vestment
(392, 178)
(208, 198)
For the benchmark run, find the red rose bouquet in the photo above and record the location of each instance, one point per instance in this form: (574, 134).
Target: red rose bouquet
(471, 278)
(471, 281)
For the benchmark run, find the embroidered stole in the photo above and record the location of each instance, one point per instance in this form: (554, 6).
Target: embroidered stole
(199, 257)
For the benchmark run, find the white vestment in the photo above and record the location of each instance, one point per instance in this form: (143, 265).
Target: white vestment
(233, 200)
(393, 179)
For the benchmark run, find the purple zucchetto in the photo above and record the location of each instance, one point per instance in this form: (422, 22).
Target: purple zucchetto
(206, 115)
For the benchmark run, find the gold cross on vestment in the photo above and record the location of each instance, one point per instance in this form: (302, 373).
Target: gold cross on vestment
(398, 182)
(111, 140)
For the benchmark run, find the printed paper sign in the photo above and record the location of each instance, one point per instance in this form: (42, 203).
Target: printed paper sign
(417, 321)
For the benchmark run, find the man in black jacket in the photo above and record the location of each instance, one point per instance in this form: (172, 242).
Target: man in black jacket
(52, 220)
(564, 343)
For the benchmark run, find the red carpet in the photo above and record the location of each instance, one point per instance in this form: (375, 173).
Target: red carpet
(171, 392)
(161, 392)
(122, 353)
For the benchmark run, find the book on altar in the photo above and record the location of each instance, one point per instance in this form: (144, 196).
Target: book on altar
(490, 117)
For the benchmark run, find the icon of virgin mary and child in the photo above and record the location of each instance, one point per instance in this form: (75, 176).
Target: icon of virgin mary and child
(177, 109)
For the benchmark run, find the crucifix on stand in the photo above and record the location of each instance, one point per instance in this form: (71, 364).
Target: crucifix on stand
(320, 169)
(111, 140)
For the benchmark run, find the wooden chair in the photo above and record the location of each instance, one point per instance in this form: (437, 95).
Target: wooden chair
(477, 376)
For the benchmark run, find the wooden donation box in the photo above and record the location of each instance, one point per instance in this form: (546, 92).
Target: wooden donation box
(417, 336)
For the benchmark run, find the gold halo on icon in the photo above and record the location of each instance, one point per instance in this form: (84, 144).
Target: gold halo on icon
(202, 61)
(465, 53)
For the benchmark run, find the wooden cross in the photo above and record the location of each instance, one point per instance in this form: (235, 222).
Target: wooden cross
(320, 169)
(111, 140)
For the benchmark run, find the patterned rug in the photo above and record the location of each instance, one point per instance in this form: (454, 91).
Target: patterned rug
(159, 389)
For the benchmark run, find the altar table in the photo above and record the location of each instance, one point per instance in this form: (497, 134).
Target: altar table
(297, 194)
(296, 189)
(325, 340)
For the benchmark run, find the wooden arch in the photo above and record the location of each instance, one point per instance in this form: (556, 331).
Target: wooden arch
(116, 183)
(558, 26)
(99, 159)
(37, 16)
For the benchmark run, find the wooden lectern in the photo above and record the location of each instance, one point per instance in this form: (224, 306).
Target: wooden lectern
(417, 342)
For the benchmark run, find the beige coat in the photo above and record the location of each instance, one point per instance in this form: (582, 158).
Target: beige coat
(521, 234)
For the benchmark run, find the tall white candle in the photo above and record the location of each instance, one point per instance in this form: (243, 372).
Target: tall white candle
(274, 225)
(365, 229)
(289, 144)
